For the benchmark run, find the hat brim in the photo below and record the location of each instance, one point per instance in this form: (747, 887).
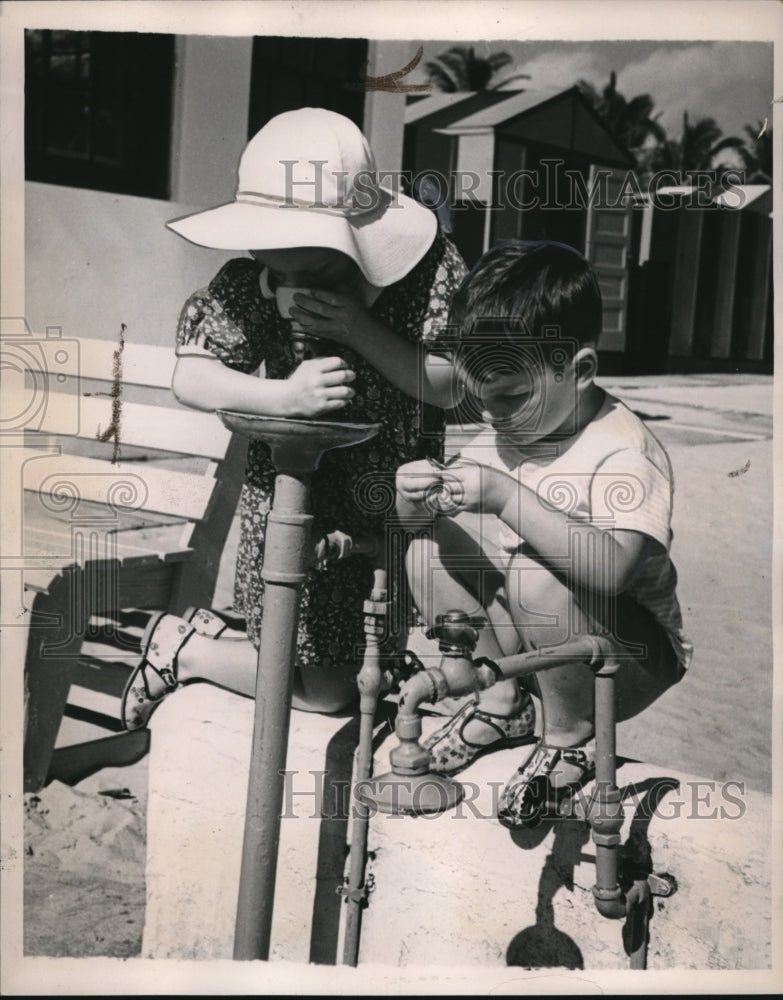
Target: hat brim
(385, 247)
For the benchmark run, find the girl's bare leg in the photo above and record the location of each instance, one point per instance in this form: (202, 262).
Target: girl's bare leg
(229, 663)
(232, 664)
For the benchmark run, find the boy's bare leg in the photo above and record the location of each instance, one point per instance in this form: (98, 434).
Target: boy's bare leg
(468, 580)
(547, 612)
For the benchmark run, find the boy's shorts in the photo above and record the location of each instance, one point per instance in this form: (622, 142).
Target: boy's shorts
(636, 628)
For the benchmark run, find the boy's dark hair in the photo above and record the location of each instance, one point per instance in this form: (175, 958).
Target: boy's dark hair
(525, 292)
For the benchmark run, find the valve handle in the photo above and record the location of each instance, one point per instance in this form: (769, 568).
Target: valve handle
(457, 631)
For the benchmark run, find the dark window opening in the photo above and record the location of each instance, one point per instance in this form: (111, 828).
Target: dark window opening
(290, 73)
(98, 110)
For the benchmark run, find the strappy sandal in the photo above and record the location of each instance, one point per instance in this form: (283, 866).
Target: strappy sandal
(529, 794)
(214, 624)
(451, 751)
(156, 675)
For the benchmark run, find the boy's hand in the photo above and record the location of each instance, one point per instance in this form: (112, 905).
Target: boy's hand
(468, 486)
(318, 386)
(418, 481)
(336, 315)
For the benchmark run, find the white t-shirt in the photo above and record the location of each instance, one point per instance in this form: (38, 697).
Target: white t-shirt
(615, 473)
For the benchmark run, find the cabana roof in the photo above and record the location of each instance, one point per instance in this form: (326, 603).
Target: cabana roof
(561, 119)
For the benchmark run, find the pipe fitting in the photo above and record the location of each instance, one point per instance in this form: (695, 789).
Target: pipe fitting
(455, 675)
(610, 902)
(417, 689)
(410, 758)
(458, 676)
(605, 813)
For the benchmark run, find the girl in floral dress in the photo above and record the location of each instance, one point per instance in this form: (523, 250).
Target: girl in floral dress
(374, 279)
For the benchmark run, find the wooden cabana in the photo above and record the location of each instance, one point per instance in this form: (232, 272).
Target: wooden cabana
(524, 165)
(701, 284)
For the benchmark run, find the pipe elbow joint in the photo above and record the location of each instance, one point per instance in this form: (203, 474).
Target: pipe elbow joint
(610, 903)
(421, 687)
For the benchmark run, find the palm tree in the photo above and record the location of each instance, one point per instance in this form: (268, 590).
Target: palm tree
(757, 154)
(631, 122)
(460, 69)
(698, 148)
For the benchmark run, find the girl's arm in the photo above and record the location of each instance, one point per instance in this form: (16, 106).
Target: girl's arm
(409, 367)
(318, 386)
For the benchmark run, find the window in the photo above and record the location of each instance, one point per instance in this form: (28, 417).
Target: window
(98, 110)
(290, 73)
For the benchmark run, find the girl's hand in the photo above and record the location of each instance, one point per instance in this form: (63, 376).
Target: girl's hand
(335, 315)
(318, 386)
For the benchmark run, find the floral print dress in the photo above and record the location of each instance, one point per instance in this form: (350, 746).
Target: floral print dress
(352, 489)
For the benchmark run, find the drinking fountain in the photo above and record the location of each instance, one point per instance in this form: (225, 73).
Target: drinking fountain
(297, 446)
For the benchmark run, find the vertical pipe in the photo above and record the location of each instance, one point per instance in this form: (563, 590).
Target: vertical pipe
(361, 820)
(286, 558)
(605, 738)
(638, 927)
(606, 812)
(369, 681)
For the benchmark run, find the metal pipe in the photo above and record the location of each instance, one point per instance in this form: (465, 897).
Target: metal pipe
(455, 675)
(588, 648)
(286, 558)
(639, 904)
(605, 809)
(410, 787)
(370, 683)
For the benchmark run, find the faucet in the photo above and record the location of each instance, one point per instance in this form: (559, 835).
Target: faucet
(410, 788)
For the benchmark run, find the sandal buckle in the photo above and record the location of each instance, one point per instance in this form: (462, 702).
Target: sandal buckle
(168, 678)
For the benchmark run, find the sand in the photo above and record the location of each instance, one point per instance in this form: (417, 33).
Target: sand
(85, 852)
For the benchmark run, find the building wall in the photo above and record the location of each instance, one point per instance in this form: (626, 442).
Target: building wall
(212, 95)
(95, 260)
(384, 112)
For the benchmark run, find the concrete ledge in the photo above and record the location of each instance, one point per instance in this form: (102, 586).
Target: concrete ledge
(457, 889)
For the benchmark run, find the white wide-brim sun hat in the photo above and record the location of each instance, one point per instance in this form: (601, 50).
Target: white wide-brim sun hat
(309, 179)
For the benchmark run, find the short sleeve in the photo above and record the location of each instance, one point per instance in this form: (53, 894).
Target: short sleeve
(226, 319)
(449, 274)
(631, 492)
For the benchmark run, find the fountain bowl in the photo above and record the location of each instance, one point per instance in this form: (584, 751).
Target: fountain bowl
(297, 444)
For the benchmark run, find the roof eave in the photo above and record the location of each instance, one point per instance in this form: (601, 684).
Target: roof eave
(470, 130)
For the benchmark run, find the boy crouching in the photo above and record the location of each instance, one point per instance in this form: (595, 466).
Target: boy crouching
(553, 523)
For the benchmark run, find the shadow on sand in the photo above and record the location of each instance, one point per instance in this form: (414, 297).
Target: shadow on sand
(545, 946)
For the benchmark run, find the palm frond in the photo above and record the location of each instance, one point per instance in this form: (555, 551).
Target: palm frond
(510, 79)
(498, 60)
(441, 78)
